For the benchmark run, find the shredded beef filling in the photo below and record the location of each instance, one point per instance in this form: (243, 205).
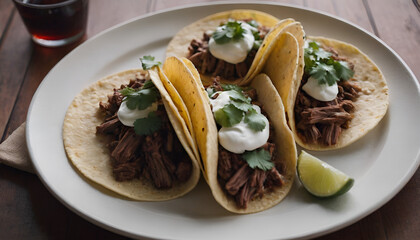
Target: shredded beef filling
(322, 122)
(206, 63)
(244, 183)
(240, 181)
(159, 157)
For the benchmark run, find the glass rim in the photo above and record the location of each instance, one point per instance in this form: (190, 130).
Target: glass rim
(43, 6)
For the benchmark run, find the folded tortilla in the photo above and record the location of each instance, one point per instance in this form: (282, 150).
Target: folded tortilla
(181, 74)
(178, 46)
(370, 106)
(88, 153)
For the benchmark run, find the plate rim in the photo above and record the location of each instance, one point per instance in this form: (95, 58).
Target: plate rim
(390, 195)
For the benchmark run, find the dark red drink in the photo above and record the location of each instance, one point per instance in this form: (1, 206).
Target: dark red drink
(54, 22)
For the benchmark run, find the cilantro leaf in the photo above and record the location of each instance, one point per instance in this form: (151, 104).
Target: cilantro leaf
(148, 84)
(255, 120)
(343, 70)
(310, 61)
(322, 54)
(127, 91)
(238, 96)
(325, 74)
(243, 106)
(313, 45)
(232, 30)
(140, 99)
(257, 44)
(228, 116)
(253, 23)
(147, 62)
(258, 159)
(147, 97)
(227, 87)
(147, 125)
(320, 65)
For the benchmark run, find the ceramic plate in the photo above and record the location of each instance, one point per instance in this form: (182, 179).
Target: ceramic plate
(381, 163)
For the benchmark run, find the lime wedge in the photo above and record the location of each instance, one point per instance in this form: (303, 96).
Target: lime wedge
(321, 179)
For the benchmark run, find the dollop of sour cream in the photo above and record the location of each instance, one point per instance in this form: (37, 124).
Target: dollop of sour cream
(321, 92)
(128, 116)
(239, 138)
(234, 51)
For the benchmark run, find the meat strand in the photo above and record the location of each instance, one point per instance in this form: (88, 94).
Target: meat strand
(159, 157)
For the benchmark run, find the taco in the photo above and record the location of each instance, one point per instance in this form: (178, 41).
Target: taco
(125, 133)
(228, 44)
(339, 97)
(248, 152)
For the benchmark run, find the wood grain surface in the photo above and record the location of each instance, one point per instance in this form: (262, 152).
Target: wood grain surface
(29, 211)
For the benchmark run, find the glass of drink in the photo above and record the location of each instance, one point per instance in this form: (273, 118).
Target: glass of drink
(54, 23)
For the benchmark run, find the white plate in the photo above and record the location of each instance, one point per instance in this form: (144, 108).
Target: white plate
(381, 163)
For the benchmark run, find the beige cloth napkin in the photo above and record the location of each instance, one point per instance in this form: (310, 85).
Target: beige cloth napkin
(13, 151)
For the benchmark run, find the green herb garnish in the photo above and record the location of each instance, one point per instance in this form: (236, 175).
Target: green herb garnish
(255, 120)
(140, 99)
(228, 116)
(343, 70)
(253, 23)
(231, 31)
(257, 38)
(243, 106)
(320, 65)
(257, 44)
(325, 74)
(238, 96)
(147, 62)
(258, 159)
(239, 107)
(147, 125)
(227, 87)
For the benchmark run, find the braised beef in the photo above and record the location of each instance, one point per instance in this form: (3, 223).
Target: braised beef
(159, 157)
(155, 162)
(111, 125)
(206, 63)
(238, 180)
(245, 195)
(322, 122)
(244, 183)
(183, 171)
(114, 102)
(125, 171)
(236, 177)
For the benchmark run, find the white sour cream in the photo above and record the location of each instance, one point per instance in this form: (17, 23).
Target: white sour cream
(239, 138)
(321, 92)
(222, 99)
(128, 116)
(234, 51)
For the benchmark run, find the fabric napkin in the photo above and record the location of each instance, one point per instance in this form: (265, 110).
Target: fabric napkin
(14, 152)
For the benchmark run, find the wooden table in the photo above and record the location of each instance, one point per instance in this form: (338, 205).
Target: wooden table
(29, 211)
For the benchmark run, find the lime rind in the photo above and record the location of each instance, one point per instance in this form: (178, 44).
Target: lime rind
(321, 179)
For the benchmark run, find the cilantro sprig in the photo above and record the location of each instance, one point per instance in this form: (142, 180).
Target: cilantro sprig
(147, 125)
(320, 65)
(147, 62)
(142, 98)
(239, 107)
(228, 116)
(257, 38)
(258, 158)
(255, 120)
(232, 30)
